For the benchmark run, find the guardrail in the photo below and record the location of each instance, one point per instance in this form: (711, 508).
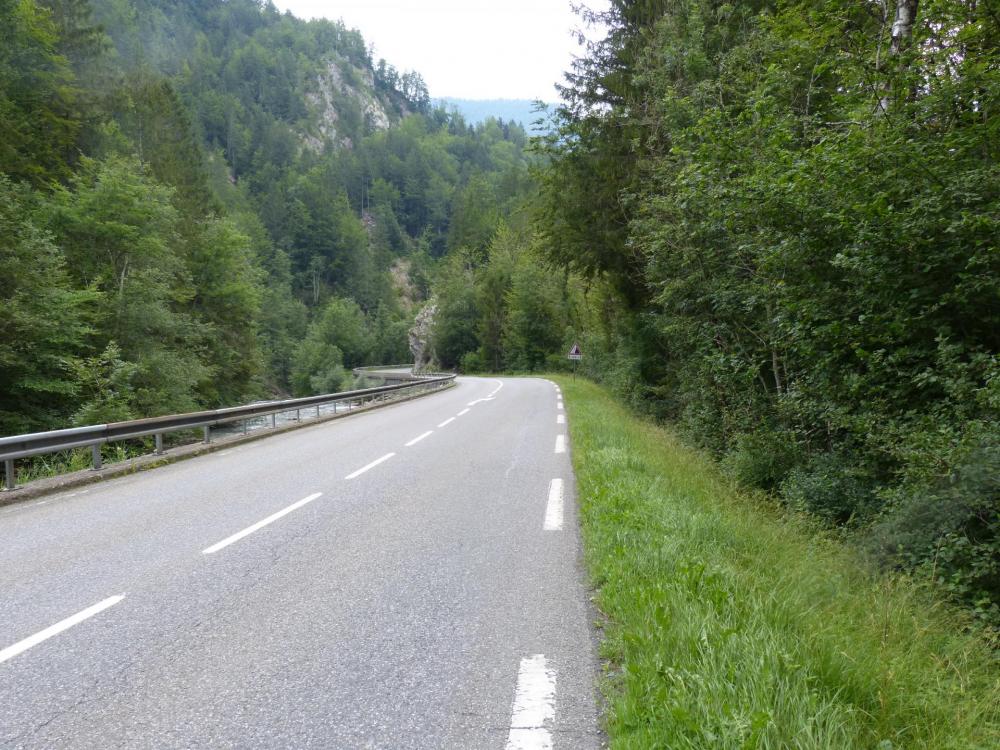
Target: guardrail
(388, 374)
(94, 436)
(383, 368)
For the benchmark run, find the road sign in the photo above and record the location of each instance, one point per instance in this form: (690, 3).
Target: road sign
(575, 352)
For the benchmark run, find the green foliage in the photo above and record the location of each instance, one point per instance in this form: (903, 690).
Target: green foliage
(500, 308)
(389, 332)
(121, 235)
(493, 287)
(37, 95)
(45, 320)
(536, 321)
(105, 387)
(229, 292)
(798, 225)
(762, 458)
(837, 487)
(318, 367)
(205, 180)
(950, 527)
(153, 116)
(336, 341)
(474, 215)
(454, 333)
(282, 316)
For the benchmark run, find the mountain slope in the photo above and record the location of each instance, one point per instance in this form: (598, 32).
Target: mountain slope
(216, 203)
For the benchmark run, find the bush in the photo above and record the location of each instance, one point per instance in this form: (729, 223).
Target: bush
(762, 459)
(471, 362)
(832, 486)
(950, 533)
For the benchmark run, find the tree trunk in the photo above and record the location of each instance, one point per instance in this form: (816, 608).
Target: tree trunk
(902, 33)
(902, 25)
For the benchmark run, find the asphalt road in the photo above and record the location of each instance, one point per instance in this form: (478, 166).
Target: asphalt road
(275, 595)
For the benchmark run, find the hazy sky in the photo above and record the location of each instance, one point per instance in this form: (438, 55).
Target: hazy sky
(471, 49)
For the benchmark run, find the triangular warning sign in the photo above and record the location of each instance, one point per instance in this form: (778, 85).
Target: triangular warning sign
(575, 351)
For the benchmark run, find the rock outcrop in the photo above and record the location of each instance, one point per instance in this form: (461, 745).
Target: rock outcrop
(333, 89)
(420, 339)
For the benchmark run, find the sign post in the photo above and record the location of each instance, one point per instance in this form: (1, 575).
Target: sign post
(576, 355)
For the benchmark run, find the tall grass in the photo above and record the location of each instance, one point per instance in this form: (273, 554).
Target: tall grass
(730, 625)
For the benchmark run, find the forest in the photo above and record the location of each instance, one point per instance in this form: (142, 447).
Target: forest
(791, 211)
(773, 224)
(208, 202)
(777, 226)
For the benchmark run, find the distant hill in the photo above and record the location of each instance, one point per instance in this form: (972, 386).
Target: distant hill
(478, 110)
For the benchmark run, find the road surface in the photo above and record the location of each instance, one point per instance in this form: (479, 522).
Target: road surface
(406, 578)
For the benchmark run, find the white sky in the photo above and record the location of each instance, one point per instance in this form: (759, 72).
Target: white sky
(469, 49)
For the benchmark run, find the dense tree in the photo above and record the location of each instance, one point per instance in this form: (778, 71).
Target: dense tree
(454, 334)
(535, 324)
(156, 121)
(37, 95)
(121, 235)
(337, 340)
(45, 320)
(228, 296)
(796, 209)
(503, 307)
(474, 215)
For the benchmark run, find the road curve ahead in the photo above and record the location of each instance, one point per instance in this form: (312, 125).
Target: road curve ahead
(407, 578)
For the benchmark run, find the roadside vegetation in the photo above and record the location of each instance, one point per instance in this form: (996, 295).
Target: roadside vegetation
(729, 624)
(775, 226)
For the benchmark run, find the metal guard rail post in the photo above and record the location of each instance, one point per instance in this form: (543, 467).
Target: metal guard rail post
(93, 436)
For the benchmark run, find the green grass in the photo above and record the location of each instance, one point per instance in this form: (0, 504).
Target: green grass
(730, 625)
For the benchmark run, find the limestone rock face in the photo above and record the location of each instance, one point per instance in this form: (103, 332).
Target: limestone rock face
(338, 84)
(420, 339)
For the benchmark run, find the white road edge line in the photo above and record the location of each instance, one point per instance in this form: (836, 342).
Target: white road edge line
(560, 419)
(462, 413)
(560, 443)
(534, 706)
(554, 508)
(559, 405)
(372, 465)
(21, 646)
(448, 421)
(259, 525)
(418, 438)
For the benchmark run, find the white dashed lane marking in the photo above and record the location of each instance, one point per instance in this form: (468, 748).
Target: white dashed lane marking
(259, 525)
(554, 508)
(21, 646)
(368, 467)
(534, 708)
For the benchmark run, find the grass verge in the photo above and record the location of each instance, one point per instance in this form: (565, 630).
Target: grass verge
(730, 625)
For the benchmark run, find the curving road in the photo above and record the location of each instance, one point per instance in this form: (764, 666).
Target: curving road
(407, 578)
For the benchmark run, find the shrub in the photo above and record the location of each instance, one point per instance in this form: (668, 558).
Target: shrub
(951, 533)
(831, 485)
(762, 459)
